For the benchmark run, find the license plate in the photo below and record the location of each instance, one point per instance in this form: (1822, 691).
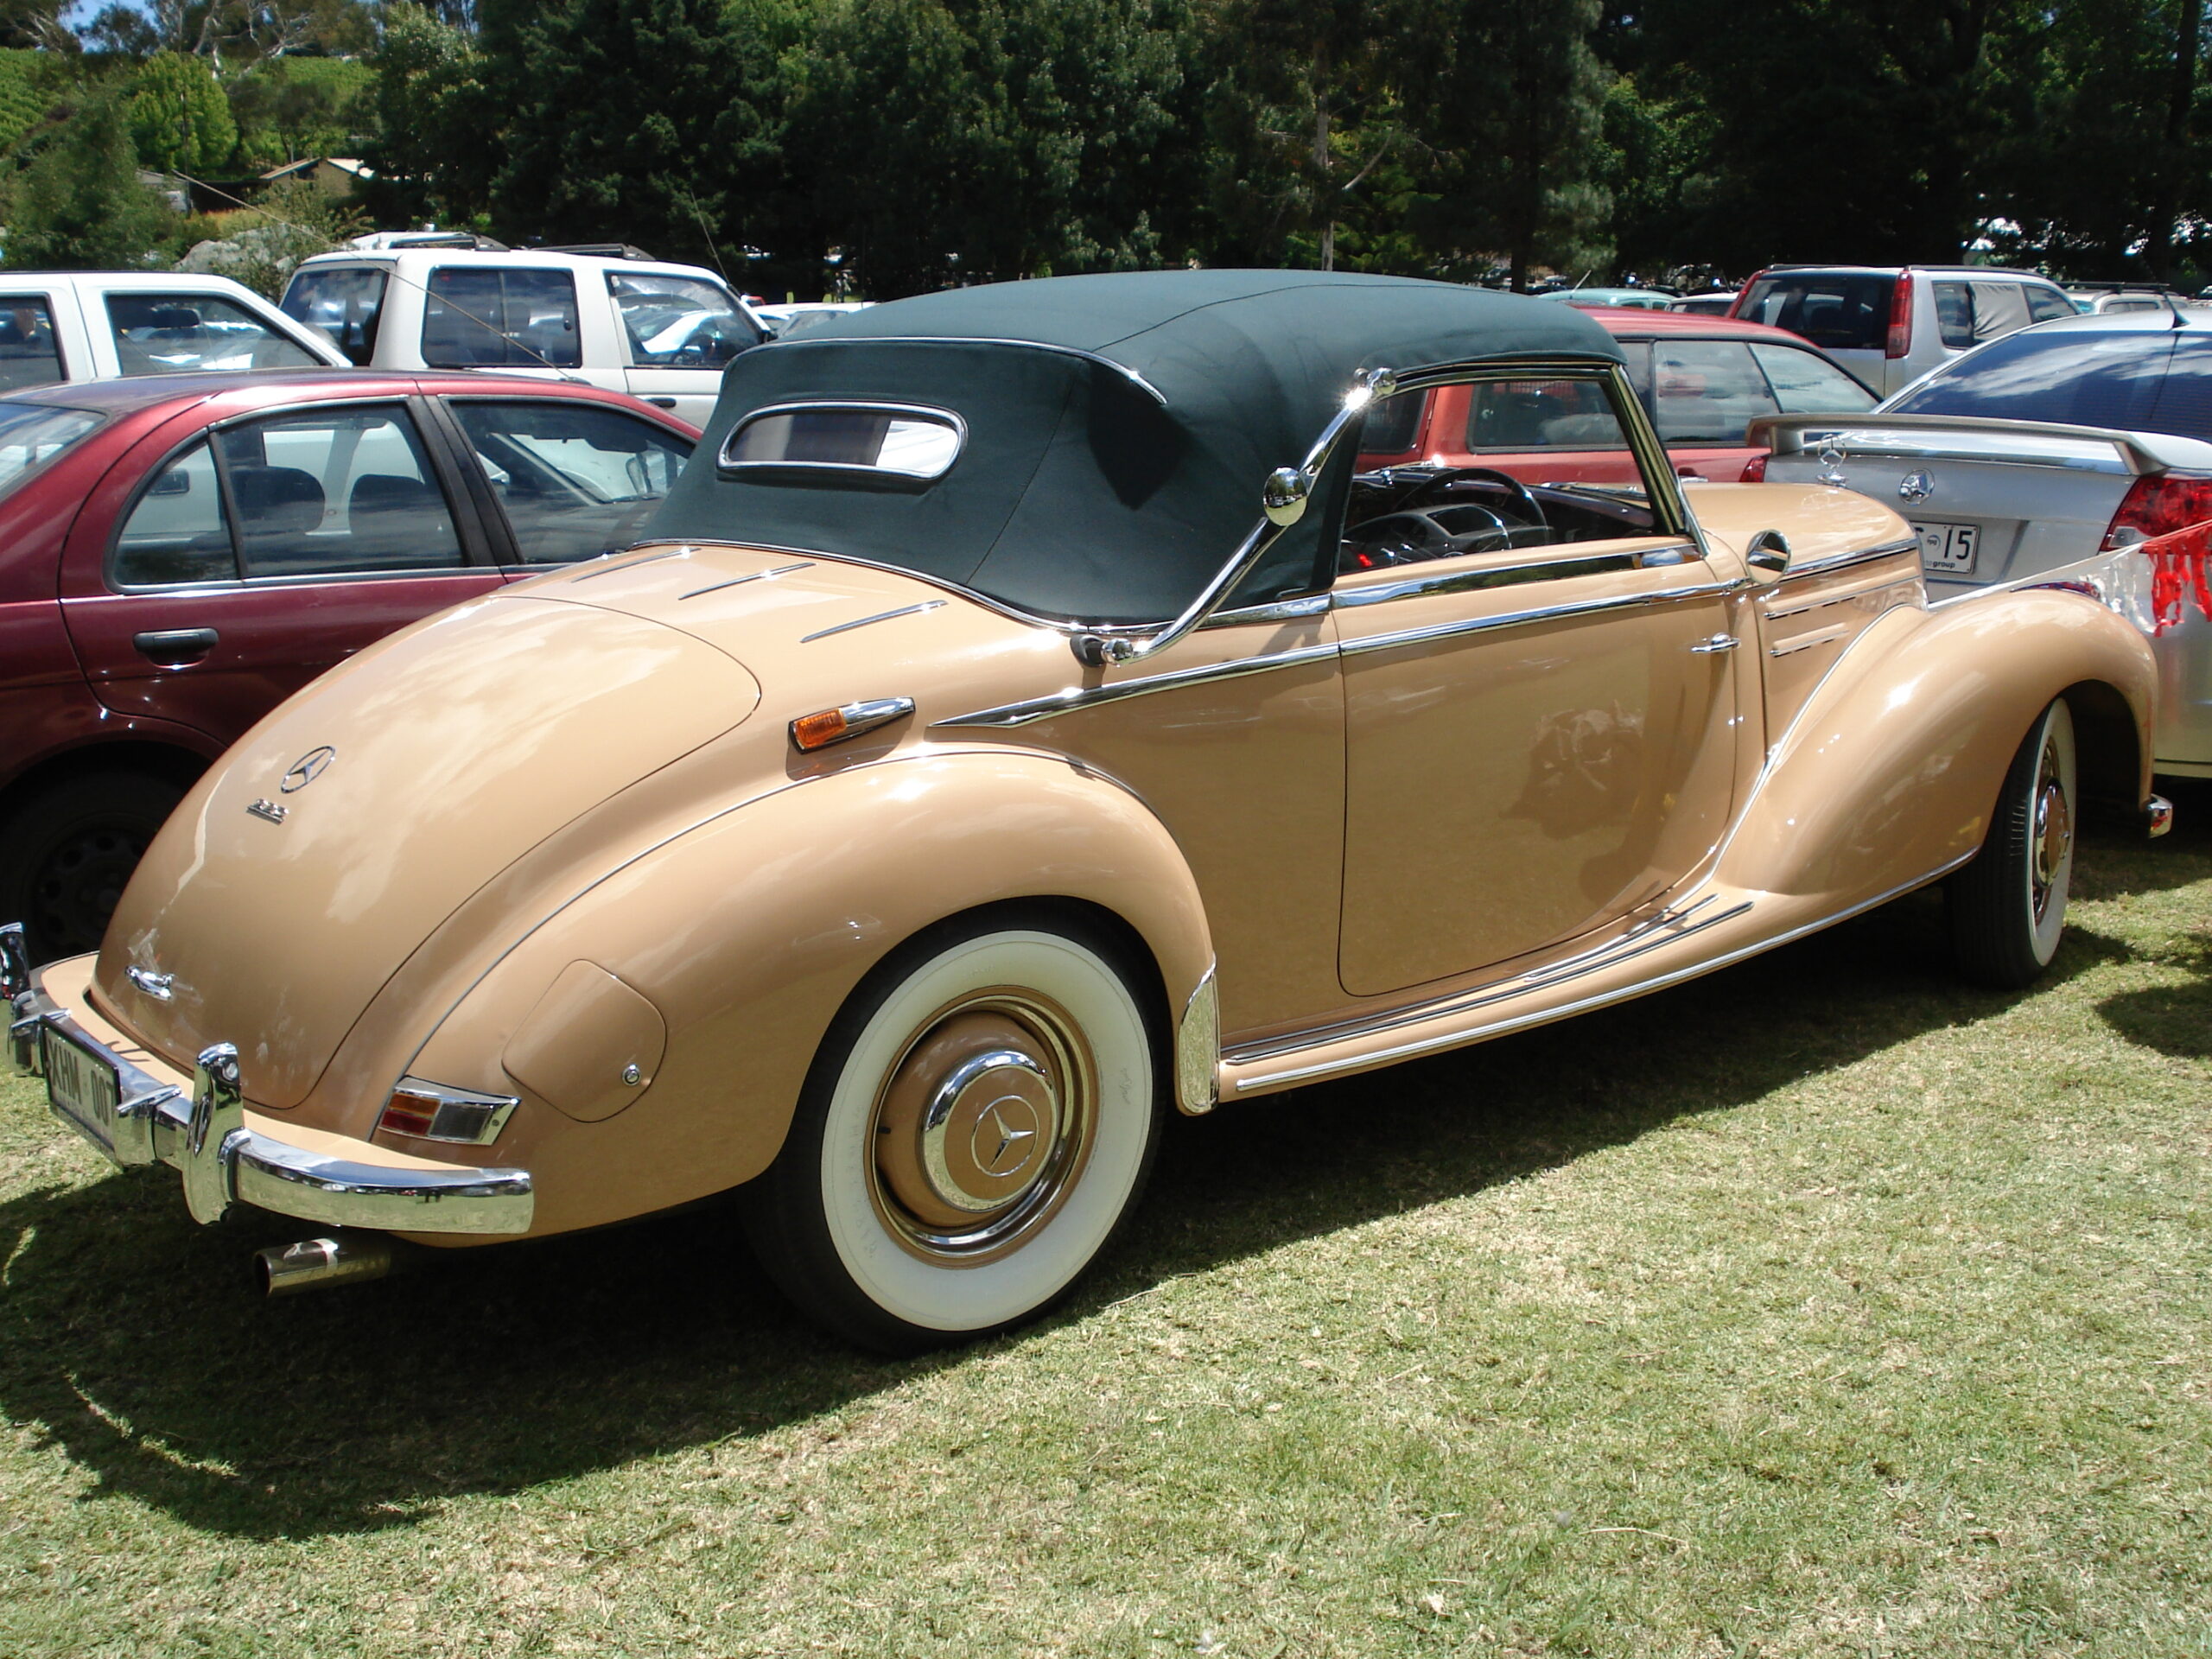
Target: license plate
(81, 1084)
(1948, 547)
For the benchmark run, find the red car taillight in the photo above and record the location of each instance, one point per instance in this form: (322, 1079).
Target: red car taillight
(2160, 503)
(1754, 471)
(1899, 343)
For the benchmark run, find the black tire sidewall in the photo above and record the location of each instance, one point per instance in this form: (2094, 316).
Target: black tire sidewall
(39, 829)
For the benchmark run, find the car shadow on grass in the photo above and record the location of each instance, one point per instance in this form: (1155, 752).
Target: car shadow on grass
(2126, 861)
(132, 1341)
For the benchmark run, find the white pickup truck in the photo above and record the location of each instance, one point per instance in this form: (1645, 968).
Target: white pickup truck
(91, 325)
(659, 332)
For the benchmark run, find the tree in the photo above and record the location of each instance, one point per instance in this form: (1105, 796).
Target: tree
(80, 203)
(240, 30)
(179, 120)
(1315, 105)
(648, 121)
(996, 138)
(433, 142)
(1523, 124)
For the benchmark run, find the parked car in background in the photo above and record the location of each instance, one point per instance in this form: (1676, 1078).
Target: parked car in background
(802, 315)
(660, 332)
(59, 326)
(1007, 740)
(1640, 299)
(177, 555)
(2103, 299)
(2039, 449)
(1702, 380)
(1715, 304)
(1891, 324)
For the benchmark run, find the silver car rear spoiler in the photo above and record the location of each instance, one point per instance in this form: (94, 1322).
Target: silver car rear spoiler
(1957, 437)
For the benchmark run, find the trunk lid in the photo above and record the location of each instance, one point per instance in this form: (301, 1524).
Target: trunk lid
(1991, 501)
(337, 835)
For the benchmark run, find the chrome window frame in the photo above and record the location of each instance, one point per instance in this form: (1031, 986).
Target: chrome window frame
(725, 468)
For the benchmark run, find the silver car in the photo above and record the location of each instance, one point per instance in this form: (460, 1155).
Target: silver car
(2040, 449)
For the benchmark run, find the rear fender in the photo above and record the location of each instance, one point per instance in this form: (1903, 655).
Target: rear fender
(735, 945)
(1889, 773)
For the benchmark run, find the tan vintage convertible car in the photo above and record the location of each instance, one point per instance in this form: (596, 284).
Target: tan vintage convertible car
(1024, 722)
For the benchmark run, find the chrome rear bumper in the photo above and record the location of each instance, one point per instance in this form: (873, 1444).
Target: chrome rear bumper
(199, 1130)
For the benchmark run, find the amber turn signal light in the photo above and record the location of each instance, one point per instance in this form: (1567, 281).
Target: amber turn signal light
(819, 730)
(437, 1111)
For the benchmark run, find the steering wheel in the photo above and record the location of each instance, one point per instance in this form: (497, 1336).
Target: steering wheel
(1523, 496)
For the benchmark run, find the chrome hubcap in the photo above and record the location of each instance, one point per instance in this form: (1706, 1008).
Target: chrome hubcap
(983, 1127)
(2052, 833)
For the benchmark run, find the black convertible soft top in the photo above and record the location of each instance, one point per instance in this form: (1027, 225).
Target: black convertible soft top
(1119, 428)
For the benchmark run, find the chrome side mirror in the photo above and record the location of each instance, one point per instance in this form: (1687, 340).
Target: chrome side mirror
(1769, 551)
(1282, 498)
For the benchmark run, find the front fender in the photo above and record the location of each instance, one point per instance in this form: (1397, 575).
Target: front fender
(744, 935)
(1889, 773)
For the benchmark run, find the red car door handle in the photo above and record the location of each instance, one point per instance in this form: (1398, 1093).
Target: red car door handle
(174, 647)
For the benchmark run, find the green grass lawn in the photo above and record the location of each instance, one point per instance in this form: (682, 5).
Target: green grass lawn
(1818, 1307)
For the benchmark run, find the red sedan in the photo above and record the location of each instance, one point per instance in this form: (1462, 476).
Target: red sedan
(179, 553)
(1703, 379)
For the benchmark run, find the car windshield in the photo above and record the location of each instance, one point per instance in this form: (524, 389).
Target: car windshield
(31, 435)
(344, 302)
(680, 322)
(2076, 378)
(1837, 311)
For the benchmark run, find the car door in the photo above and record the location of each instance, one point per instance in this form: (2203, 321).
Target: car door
(217, 570)
(1538, 720)
(566, 478)
(516, 320)
(678, 332)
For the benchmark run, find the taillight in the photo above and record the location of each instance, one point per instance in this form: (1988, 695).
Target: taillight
(1754, 471)
(438, 1111)
(1899, 343)
(2158, 504)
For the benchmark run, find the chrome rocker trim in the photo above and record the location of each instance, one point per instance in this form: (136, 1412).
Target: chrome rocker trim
(201, 1134)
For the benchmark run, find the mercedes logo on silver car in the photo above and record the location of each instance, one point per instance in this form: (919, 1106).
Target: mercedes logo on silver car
(1915, 486)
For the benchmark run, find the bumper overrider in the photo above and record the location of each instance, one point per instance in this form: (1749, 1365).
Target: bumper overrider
(199, 1130)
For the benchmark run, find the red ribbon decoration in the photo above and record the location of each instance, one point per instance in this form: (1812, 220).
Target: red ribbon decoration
(2179, 565)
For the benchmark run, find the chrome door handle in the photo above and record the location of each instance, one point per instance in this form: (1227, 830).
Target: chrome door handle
(1718, 643)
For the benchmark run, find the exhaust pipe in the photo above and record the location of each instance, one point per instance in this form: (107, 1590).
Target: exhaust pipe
(340, 1258)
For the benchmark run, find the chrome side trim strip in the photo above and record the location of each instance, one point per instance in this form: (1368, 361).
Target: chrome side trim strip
(1646, 935)
(1079, 696)
(631, 564)
(880, 616)
(1856, 556)
(1284, 610)
(1541, 614)
(1543, 1016)
(1827, 636)
(1497, 575)
(739, 581)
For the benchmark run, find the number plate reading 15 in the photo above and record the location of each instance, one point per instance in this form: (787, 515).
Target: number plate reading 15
(80, 1085)
(1948, 547)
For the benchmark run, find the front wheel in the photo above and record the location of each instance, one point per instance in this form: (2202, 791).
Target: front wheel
(980, 1118)
(2008, 907)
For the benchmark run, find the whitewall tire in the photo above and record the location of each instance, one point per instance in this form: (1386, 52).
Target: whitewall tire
(980, 1118)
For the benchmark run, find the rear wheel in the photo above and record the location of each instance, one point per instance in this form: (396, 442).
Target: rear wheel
(2008, 907)
(979, 1120)
(68, 851)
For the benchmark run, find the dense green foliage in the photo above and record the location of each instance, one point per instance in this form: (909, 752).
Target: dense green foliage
(889, 145)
